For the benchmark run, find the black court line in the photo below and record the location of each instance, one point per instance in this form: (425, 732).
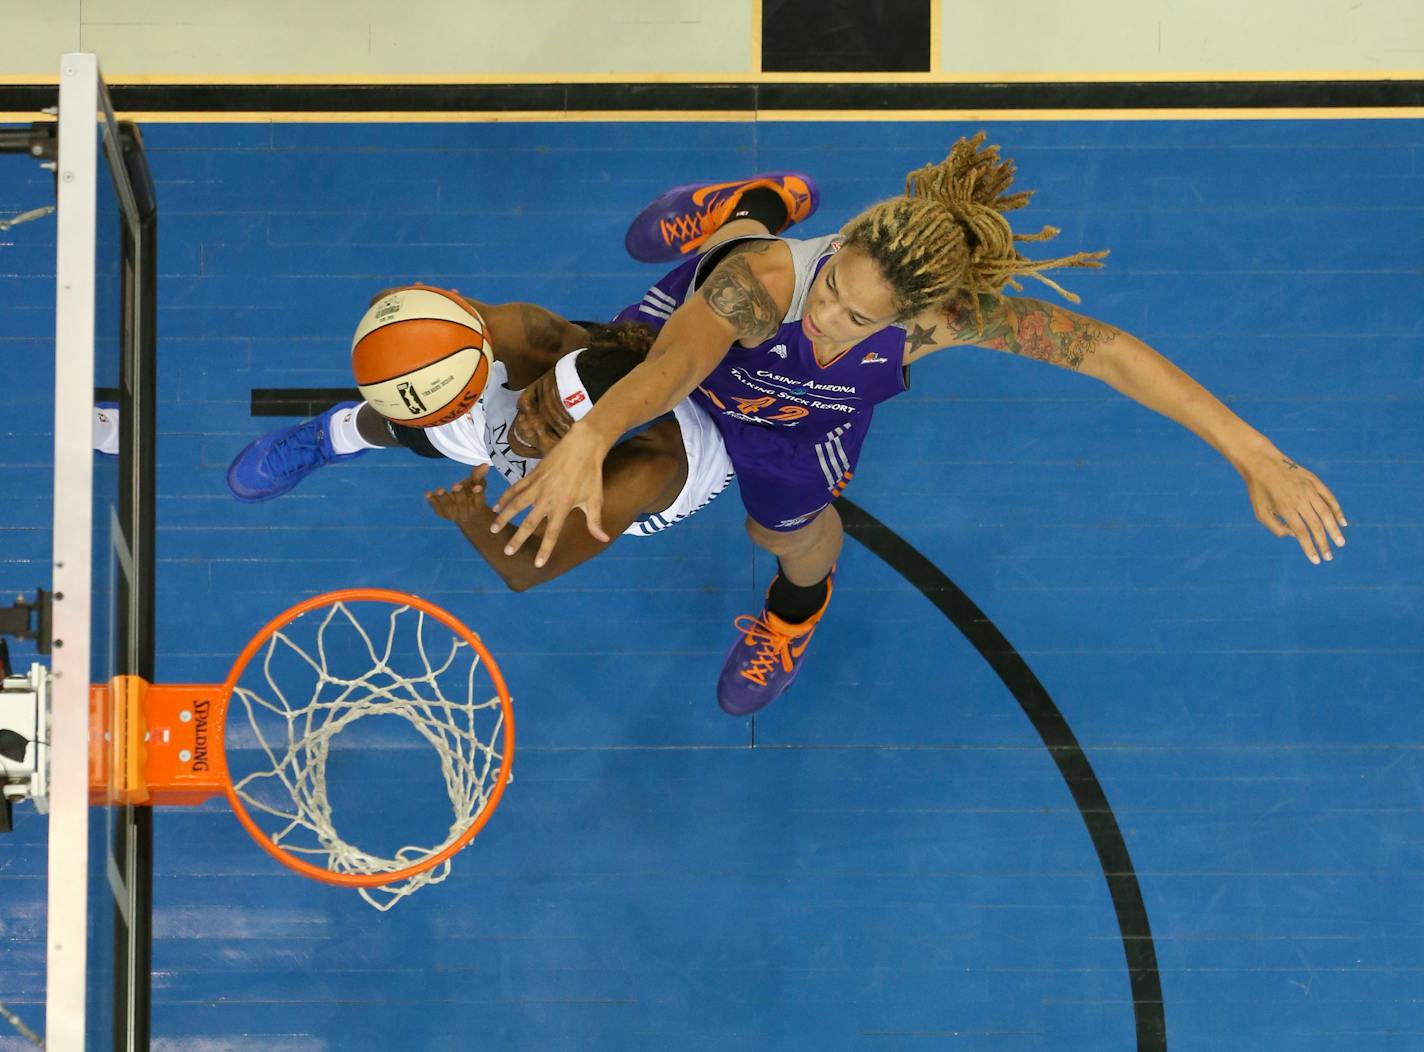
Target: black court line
(810, 96)
(1073, 765)
(299, 401)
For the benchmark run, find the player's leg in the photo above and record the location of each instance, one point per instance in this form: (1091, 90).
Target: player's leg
(771, 648)
(787, 489)
(364, 429)
(755, 208)
(688, 219)
(805, 556)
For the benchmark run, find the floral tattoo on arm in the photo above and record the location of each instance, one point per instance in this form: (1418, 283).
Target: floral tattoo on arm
(1027, 327)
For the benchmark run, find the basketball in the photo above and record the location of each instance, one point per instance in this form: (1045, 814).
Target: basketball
(420, 356)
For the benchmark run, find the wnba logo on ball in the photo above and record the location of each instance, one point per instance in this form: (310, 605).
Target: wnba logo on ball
(411, 398)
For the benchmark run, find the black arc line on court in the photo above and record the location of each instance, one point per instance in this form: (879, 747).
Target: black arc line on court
(1147, 1007)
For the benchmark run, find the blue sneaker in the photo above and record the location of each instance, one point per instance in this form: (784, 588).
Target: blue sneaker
(764, 660)
(682, 219)
(271, 465)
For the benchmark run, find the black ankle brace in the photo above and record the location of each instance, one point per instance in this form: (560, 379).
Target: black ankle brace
(762, 204)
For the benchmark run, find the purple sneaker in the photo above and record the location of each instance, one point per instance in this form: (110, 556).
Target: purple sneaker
(271, 465)
(680, 220)
(764, 660)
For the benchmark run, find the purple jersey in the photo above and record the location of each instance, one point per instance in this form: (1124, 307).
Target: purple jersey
(779, 383)
(792, 426)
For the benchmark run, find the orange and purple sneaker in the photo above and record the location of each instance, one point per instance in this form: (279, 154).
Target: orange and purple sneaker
(680, 220)
(764, 660)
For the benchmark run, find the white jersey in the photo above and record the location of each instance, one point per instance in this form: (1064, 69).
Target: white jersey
(481, 436)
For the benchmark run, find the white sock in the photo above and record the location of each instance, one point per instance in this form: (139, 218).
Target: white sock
(106, 430)
(345, 435)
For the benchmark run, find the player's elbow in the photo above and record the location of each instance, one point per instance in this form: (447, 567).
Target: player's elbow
(516, 578)
(521, 582)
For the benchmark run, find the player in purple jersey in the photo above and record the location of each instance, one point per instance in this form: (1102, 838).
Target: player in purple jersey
(809, 417)
(782, 339)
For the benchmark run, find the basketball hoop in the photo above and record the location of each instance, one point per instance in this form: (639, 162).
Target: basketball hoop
(303, 680)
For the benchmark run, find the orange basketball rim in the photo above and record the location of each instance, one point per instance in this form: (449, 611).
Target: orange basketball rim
(164, 744)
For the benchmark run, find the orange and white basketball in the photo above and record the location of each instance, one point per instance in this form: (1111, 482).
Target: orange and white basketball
(421, 357)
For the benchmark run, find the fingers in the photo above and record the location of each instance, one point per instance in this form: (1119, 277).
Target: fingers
(511, 502)
(1329, 521)
(1304, 509)
(459, 502)
(551, 538)
(1267, 517)
(525, 529)
(1311, 535)
(593, 514)
(439, 501)
(1324, 494)
(1311, 526)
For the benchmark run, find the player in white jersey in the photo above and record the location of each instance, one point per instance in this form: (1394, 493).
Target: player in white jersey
(501, 426)
(547, 373)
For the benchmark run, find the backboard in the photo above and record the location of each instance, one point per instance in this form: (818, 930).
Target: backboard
(100, 860)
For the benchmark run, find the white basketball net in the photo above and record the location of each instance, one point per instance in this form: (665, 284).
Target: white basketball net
(466, 736)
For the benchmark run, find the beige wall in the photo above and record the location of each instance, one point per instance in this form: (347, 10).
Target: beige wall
(379, 38)
(1182, 36)
(494, 39)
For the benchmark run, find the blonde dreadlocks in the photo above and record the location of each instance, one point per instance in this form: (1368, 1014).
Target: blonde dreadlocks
(946, 238)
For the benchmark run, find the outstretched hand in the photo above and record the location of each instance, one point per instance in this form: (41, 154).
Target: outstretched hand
(570, 477)
(464, 502)
(1292, 502)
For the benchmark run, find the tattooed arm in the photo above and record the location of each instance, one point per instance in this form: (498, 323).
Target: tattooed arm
(1046, 332)
(744, 299)
(1287, 499)
(1027, 327)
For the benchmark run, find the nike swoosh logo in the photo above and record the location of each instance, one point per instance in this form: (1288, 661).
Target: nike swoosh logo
(699, 196)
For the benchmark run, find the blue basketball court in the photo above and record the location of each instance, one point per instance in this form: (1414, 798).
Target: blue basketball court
(898, 854)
